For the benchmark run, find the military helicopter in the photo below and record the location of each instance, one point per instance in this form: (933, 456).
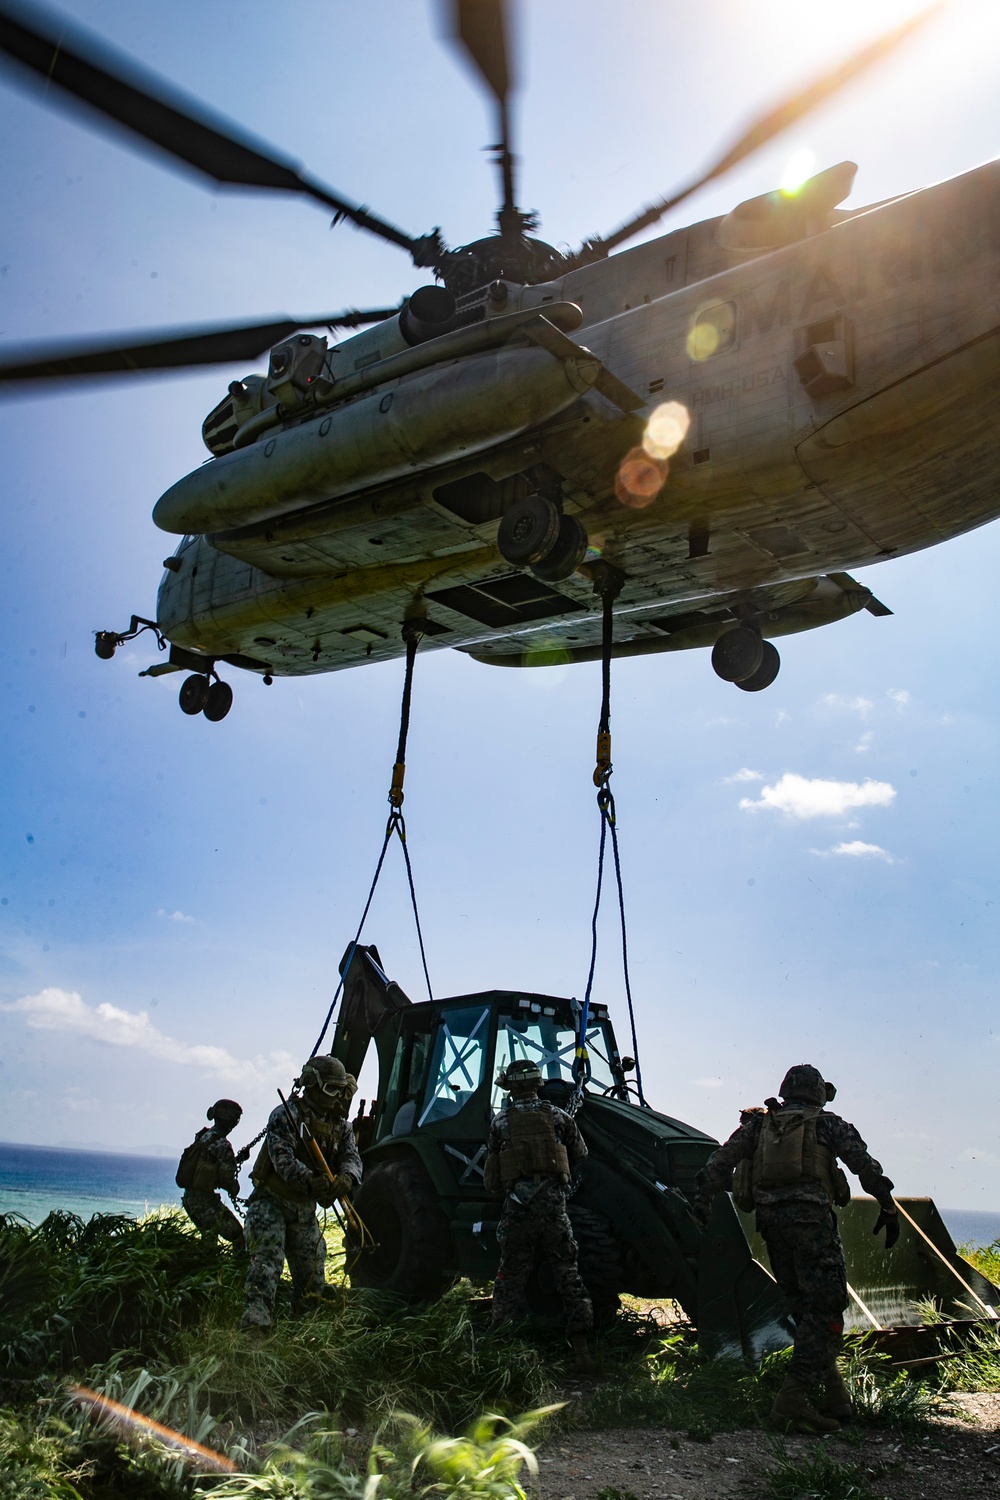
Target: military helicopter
(715, 425)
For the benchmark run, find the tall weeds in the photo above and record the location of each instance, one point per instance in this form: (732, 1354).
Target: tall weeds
(75, 1293)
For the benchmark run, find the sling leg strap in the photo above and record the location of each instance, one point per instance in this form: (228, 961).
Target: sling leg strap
(413, 631)
(608, 582)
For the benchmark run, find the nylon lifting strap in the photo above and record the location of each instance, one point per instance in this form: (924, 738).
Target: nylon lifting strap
(608, 583)
(413, 631)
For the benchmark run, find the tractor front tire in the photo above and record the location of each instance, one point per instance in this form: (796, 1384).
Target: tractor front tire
(413, 1254)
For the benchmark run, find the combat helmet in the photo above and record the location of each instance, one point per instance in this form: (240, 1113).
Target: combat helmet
(521, 1074)
(328, 1076)
(807, 1085)
(226, 1108)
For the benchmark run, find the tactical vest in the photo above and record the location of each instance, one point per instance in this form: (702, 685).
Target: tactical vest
(196, 1169)
(533, 1150)
(268, 1179)
(788, 1155)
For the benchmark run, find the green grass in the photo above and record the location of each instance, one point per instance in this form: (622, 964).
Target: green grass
(985, 1258)
(976, 1365)
(656, 1381)
(75, 1293)
(148, 1313)
(814, 1476)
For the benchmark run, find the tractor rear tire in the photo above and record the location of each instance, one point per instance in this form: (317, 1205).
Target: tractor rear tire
(414, 1253)
(600, 1266)
(600, 1261)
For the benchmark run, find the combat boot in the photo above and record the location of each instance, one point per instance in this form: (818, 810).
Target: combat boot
(838, 1396)
(255, 1319)
(580, 1345)
(793, 1409)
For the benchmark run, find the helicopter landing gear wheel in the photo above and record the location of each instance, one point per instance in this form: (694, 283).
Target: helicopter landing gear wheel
(219, 701)
(566, 553)
(528, 530)
(765, 674)
(737, 654)
(194, 693)
(105, 644)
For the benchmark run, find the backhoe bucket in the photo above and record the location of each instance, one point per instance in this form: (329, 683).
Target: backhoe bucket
(888, 1287)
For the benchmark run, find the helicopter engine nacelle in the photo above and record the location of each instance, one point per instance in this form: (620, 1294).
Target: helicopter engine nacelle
(303, 367)
(400, 428)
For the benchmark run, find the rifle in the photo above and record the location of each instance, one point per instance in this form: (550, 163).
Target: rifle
(350, 1217)
(305, 1134)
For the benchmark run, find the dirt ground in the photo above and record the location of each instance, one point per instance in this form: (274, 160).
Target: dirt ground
(960, 1458)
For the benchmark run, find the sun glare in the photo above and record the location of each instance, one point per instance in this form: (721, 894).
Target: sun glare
(801, 166)
(666, 430)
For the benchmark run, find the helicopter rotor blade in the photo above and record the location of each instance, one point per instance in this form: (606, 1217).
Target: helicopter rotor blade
(90, 72)
(762, 131)
(169, 350)
(480, 27)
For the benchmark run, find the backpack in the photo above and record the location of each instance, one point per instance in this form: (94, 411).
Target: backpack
(788, 1154)
(195, 1169)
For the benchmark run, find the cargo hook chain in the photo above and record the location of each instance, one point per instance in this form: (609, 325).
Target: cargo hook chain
(413, 631)
(608, 582)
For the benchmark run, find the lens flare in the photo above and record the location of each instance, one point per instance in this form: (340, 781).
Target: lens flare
(640, 478)
(547, 654)
(666, 430)
(801, 166)
(702, 341)
(135, 1428)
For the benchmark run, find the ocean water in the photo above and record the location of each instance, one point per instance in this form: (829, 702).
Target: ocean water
(36, 1179)
(971, 1226)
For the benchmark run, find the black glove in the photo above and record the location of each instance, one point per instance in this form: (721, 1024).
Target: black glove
(322, 1189)
(888, 1220)
(344, 1184)
(701, 1212)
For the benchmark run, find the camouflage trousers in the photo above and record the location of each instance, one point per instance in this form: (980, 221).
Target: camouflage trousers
(276, 1232)
(807, 1259)
(209, 1214)
(543, 1224)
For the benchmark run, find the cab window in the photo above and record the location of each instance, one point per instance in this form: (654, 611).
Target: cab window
(551, 1043)
(457, 1064)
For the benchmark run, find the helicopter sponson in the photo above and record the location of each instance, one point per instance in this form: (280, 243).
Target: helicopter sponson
(415, 409)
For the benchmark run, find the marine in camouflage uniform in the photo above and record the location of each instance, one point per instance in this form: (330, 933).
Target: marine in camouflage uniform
(216, 1168)
(281, 1218)
(799, 1228)
(534, 1213)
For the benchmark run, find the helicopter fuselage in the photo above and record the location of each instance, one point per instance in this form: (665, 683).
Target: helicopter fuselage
(842, 394)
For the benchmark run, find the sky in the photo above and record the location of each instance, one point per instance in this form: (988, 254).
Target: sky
(811, 872)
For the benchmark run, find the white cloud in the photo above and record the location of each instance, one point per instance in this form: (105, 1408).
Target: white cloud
(865, 742)
(802, 797)
(781, 717)
(856, 849)
(66, 1011)
(854, 705)
(175, 916)
(899, 696)
(745, 774)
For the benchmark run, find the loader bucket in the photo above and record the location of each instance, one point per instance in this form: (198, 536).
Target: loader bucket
(888, 1286)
